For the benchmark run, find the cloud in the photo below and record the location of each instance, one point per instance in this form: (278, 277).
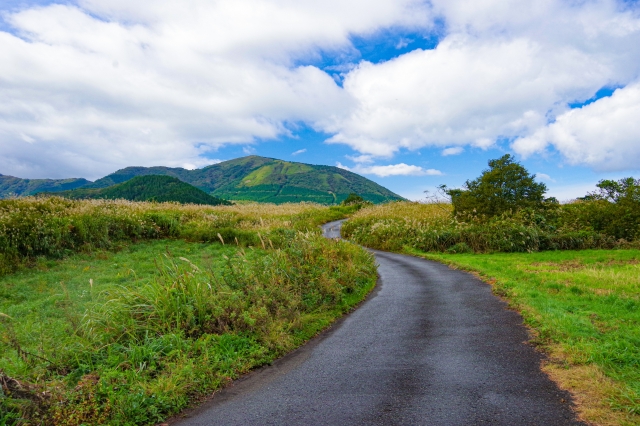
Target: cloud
(603, 135)
(298, 152)
(502, 71)
(248, 150)
(544, 176)
(95, 85)
(401, 169)
(109, 83)
(361, 158)
(452, 151)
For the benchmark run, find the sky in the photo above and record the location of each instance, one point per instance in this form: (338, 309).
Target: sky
(409, 93)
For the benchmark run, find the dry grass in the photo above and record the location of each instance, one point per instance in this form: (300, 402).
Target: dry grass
(590, 389)
(407, 211)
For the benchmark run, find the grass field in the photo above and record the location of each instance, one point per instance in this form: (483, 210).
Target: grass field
(153, 311)
(584, 309)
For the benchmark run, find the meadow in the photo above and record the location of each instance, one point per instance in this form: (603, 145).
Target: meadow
(582, 306)
(116, 312)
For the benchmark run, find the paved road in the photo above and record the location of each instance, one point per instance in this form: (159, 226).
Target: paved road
(431, 346)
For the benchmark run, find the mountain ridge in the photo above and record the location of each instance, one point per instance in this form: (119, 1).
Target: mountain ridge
(255, 178)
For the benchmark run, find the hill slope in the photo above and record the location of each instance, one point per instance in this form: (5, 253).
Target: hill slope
(13, 186)
(148, 188)
(267, 180)
(262, 179)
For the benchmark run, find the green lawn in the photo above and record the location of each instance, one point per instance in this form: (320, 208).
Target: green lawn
(584, 308)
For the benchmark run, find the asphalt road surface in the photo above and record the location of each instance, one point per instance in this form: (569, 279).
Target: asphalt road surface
(430, 346)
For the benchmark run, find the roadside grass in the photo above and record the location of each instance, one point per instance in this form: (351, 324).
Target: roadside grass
(433, 228)
(55, 227)
(154, 312)
(583, 308)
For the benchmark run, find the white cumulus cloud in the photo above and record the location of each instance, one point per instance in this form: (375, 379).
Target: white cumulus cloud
(94, 85)
(456, 150)
(604, 134)
(400, 169)
(503, 71)
(103, 84)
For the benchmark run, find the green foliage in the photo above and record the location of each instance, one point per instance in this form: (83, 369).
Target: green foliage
(500, 234)
(149, 188)
(111, 339)
(505, 186)
(431, 227)
(352, 199)
(56, 227)
(614, 209)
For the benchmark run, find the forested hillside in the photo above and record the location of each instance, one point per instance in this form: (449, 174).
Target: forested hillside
(148, 188)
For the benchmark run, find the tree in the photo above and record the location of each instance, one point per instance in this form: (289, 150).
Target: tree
(353, 198)
(505, 186)
(614, 208)
(625, 190)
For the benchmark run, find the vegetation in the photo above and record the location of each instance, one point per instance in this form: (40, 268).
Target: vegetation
(14, 187)
(149, 188)
(131, 335)
(582, 306)
(504, 210)
(506, 186)
(584, 309)
(432, 228)
(260, 179)
(614, 208)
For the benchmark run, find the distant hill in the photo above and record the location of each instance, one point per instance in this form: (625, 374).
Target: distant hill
(148, 188)
(263, 179)
(12, 186)
(270, 180)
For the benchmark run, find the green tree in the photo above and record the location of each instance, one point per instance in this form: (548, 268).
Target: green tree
(353, 198)
(505, 186)
(625, 190)
(614, 208)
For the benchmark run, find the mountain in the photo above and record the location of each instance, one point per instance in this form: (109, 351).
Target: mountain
(269, 180)
(263, 179)
(13, 186)
(148, 188)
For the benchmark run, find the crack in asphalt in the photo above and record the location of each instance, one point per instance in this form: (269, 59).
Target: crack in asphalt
(430, 346)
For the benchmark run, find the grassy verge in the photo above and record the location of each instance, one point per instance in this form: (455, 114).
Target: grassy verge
(132, 334)
(584, 308)
(433, 228)
(55, 227)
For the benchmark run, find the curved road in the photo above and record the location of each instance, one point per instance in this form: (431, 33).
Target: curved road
(431, 346)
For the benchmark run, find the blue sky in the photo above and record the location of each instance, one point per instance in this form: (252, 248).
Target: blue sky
(409, 93)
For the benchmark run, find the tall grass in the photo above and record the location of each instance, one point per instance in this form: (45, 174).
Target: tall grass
(56, 227)
(432, 227)
(136, 352)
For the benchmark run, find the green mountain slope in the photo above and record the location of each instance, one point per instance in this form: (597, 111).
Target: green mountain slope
(269, 180)
(263, 179)
(148, 188)
(12, 186)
